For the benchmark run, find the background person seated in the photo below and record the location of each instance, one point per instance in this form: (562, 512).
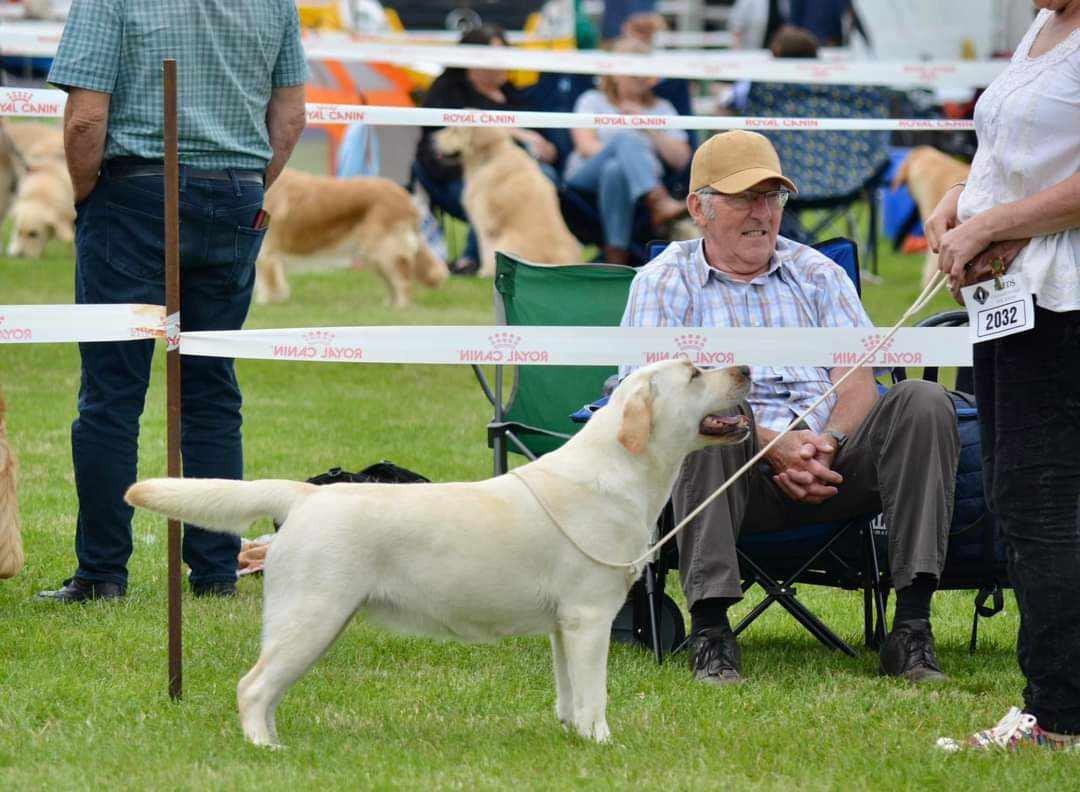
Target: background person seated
(482, 89)
(858, 454)
(623, 166)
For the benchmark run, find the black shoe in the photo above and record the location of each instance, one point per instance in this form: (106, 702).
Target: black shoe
(215, 588)
(908, 653)
(79, 590)
(715, 657)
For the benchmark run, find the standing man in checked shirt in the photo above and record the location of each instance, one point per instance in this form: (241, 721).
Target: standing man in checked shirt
(241, 75)
(859, 453)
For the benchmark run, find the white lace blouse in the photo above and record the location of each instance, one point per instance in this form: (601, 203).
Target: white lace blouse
(1028, 125)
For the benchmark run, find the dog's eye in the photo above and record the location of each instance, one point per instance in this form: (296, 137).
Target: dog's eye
(32, 234)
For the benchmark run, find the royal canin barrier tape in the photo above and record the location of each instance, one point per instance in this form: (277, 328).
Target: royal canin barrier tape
(49, 324)
(41, 36)
(588, 346)
(722, 65)
(483, 344)
(50, 103)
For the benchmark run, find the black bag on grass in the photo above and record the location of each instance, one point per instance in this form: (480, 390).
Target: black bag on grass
(383, 472)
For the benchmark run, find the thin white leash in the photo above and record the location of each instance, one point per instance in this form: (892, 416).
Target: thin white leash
(921, 301)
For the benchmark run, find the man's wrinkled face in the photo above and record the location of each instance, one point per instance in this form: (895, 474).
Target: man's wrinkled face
(741, 228)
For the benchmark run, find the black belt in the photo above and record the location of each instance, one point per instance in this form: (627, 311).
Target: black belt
(121, 169)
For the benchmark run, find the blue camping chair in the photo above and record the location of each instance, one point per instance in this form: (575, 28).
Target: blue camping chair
(849, 554)
(772, 560)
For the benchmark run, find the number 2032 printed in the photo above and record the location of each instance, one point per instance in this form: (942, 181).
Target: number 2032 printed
(1001, 317)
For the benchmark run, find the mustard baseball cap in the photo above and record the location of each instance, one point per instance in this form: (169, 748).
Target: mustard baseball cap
(734, 161)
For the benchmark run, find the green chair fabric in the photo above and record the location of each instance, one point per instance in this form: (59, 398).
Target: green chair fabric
(543, 397)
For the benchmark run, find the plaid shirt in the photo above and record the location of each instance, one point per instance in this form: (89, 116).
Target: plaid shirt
(803, 288)
(229, 54)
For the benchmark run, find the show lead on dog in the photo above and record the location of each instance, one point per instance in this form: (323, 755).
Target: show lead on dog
(241, 111)
(1021, 205)
(859, 454)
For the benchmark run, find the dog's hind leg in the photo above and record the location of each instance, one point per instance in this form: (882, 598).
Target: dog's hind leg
(294, 638)
(392, 258)
(271, 285)
(564, 694)
(586, 635)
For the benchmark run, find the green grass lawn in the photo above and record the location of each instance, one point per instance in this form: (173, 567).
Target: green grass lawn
(83, 699)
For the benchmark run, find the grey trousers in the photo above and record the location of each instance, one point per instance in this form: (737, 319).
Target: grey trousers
(901, 461)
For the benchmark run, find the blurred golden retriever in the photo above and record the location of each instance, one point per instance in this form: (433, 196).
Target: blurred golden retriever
(11, 550)
(928, 174)
(511, 204)
(371, 221)
(43, 209)
(23, 146)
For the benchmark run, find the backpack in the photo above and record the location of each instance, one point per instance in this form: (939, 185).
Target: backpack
(382, 472)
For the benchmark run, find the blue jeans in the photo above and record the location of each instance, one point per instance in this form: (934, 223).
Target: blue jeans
(624, 170)
(1028, 390)
(119, 250)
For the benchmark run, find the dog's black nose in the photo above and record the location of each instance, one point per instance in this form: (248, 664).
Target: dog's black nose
(745, 371)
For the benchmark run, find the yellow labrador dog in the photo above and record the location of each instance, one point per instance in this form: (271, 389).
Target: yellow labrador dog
(473, 561)
(928, 174)
(366, 220)
(510, 202)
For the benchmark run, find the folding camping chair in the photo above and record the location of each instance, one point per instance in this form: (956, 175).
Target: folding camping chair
(810, 553)
(852, 554)
(535, 419)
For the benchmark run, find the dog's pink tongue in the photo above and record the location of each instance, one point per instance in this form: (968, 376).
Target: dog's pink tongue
(724, 424)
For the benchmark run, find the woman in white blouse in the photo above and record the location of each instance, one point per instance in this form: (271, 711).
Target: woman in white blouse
(1021, 204)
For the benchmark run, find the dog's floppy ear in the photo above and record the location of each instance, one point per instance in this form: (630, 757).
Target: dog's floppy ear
(637, 418)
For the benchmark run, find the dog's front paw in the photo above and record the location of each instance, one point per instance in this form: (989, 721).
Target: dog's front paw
(597, 731)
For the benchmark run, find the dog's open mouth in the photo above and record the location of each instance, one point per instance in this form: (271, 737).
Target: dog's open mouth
(725, 426)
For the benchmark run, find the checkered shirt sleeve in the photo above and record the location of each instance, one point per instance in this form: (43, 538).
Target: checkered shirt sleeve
(291, 67)
(89, 52)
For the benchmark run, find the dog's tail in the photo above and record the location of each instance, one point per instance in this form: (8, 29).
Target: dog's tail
(429, 268)
(221, 505)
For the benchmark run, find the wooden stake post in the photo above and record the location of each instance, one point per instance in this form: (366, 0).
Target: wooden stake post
(172, 365)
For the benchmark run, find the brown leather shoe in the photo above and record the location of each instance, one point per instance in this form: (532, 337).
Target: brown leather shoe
(79, 590)
(715, 657)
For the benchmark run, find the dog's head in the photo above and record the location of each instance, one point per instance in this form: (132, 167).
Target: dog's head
(680, 408)
(469, 142)
(33, 224)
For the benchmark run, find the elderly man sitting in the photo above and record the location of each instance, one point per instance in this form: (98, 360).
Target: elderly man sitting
(858, 453)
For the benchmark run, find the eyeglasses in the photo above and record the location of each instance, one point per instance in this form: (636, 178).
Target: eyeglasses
(745, 201)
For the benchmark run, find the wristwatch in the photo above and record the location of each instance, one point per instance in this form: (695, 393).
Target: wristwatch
(839, 437)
